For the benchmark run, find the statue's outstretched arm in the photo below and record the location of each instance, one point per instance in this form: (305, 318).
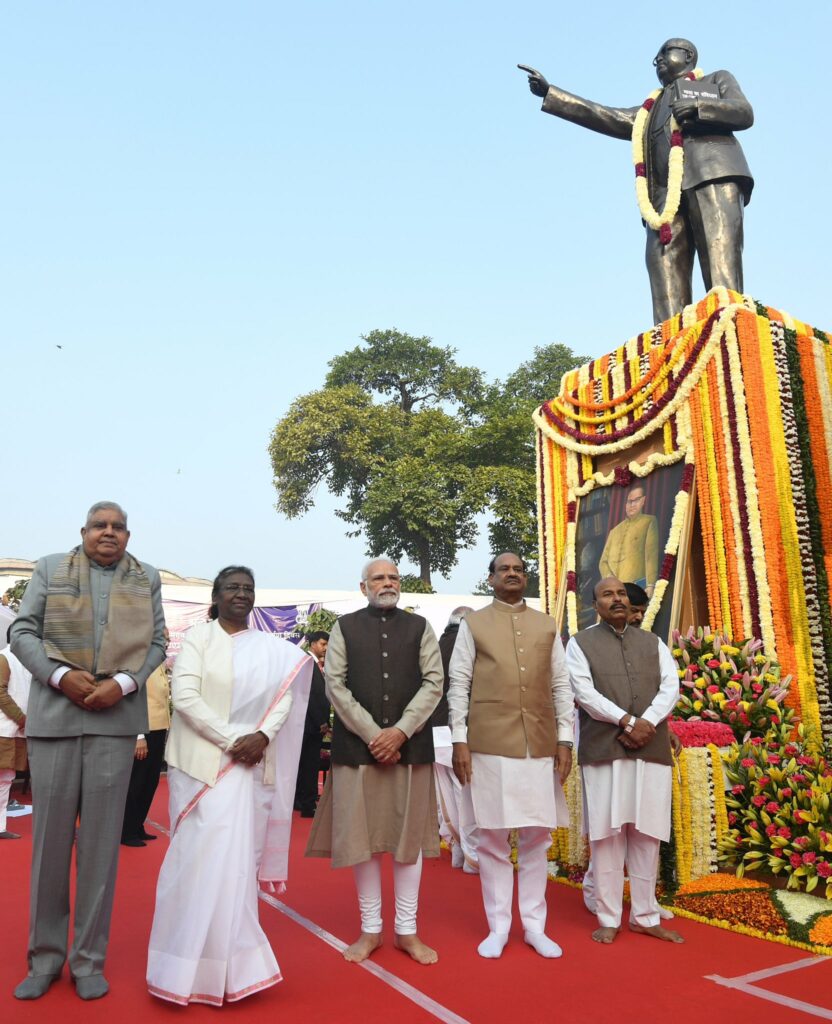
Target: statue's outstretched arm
(614, 121)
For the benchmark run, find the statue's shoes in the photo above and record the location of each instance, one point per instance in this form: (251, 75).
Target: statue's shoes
(35, 985)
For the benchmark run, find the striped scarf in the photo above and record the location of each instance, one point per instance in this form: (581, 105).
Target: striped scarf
(68, 631)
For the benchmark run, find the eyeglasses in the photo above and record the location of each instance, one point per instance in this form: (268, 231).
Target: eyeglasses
(664, 53)
(236, 588)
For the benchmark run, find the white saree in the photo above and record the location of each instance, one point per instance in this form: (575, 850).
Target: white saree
(206, 944)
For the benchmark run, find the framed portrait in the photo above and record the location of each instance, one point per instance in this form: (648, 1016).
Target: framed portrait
(622, 530)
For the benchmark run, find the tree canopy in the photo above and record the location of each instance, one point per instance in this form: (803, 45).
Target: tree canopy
(418, 446)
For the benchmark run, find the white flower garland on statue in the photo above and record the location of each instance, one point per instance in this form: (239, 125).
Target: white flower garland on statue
(659, 221)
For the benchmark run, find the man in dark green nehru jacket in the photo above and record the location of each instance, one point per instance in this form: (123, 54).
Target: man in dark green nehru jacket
(384, 679)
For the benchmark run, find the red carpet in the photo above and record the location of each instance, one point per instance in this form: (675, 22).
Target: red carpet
(636, 979)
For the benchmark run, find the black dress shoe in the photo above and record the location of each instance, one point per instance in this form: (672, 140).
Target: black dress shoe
(133, 842)
(148, 836)
(307, 813)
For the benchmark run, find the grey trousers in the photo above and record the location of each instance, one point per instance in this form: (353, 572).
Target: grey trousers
(83, 777)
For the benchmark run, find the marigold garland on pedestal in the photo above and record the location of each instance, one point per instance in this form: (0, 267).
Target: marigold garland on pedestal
(742, 394)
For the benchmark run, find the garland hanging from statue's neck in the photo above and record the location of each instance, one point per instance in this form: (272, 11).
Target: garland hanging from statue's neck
(676, 165)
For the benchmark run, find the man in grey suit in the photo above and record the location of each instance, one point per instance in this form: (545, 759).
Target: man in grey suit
(90, 630)
(716, 182)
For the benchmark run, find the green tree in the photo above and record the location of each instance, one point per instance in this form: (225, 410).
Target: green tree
(14, 595)
(506, 443)
(405, 464)
(411, 584)
(322, 619)
(418, 446)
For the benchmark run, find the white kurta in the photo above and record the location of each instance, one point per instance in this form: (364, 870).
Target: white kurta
(625, 791)
(510, 792)
(206, 943)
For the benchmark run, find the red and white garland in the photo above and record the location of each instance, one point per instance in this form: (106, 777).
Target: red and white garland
(659, 221)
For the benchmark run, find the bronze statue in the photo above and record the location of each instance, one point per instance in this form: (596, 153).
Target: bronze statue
(716, 182)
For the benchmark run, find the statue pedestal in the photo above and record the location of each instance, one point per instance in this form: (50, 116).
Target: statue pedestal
(724, 413)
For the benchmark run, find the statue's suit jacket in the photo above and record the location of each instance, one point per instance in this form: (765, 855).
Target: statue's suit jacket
(50, 714)
(712, 153)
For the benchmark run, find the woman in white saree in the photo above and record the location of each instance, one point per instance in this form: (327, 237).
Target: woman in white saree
(231, 785)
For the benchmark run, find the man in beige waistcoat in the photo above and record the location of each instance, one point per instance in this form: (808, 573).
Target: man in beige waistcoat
(626, 686)
(511, 715)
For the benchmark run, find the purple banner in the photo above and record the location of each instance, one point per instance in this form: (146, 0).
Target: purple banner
(287, 622)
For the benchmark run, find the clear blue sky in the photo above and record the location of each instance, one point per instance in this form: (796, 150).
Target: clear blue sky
(204, 202)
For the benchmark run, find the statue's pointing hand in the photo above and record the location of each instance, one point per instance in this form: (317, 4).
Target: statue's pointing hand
(537, 83)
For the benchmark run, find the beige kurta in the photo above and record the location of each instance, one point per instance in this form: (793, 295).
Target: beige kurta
(378, 808)
(13, 742)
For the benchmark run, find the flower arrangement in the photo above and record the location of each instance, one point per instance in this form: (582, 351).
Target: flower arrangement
(778, 809)
(748, 906)
(695, 733)
(733, 682)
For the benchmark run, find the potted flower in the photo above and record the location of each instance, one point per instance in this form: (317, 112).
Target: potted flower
(778, 809)
(722, 680)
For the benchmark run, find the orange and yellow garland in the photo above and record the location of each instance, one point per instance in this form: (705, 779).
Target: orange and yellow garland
(741, 393)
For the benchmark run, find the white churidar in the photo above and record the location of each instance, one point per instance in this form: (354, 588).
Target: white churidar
(406, 878)
(458, 830)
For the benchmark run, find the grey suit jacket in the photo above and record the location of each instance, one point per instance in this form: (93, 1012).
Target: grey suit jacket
(50, 714)
(711, 151)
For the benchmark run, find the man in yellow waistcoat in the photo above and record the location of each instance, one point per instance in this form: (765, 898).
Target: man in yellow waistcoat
(632, 548)
(511, 715)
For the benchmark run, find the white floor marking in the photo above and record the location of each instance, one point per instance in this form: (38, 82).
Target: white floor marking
(745, 983)
(413, 994)
(408, 991)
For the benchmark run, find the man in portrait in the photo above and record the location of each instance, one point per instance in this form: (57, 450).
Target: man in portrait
(631, 551)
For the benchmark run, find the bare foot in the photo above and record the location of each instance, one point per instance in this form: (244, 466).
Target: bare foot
(364, 945)
(657, 932)
(414, 947)
(606, 936)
